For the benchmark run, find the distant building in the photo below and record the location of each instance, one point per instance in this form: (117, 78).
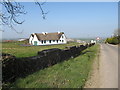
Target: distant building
(79, 41)
(45, 38)
(92, 41)
(22, 39)
(70, 40)
(8, 40)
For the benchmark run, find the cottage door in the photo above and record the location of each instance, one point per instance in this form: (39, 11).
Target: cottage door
(35, 43)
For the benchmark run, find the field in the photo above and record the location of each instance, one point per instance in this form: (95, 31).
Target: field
(17, 50)
(68, 74)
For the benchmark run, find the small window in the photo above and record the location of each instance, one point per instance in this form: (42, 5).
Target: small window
(62, 36)
(57, 41)
(49, 41)
(62, 40)
(53, 40)
(32, 35)
(44, 41)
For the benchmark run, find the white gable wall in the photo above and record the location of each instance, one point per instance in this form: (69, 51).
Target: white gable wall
(63, 39)
(30, 39)
(35, 39)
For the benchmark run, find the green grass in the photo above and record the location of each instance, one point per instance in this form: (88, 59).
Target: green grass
(15, 49)
(68, 74)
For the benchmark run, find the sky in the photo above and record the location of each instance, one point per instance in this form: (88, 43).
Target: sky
(75, 19)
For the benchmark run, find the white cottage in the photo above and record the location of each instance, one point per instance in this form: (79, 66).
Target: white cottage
(47, 38)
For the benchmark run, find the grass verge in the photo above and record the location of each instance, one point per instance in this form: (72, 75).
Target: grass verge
(68, 74)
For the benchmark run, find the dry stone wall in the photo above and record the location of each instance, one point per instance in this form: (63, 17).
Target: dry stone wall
(13, 68)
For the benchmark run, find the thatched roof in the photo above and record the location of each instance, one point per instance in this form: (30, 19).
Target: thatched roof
(49, 36)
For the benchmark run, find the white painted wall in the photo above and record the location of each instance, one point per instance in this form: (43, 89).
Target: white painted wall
(62, 40)
(30, 39)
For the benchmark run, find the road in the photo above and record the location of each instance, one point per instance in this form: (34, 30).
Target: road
(108, 69)
(105, 70)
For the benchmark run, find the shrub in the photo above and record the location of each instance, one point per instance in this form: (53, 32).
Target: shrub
(113, 40)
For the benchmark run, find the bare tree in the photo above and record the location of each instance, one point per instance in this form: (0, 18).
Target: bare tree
(12, 11)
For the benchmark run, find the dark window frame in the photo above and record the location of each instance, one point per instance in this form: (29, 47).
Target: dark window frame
(44, 41)
(49, 41)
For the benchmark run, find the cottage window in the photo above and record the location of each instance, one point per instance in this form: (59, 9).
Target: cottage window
(57, 41)
(49, 41)
(44, 41)
(32, 35)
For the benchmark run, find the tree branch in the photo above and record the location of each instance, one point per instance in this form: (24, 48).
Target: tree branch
(42, 11)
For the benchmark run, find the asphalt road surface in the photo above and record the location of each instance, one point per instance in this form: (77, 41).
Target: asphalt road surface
(105, 68)
(108, 66)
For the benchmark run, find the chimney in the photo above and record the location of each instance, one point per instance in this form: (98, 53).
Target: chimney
(43, 33)
(58, 32)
